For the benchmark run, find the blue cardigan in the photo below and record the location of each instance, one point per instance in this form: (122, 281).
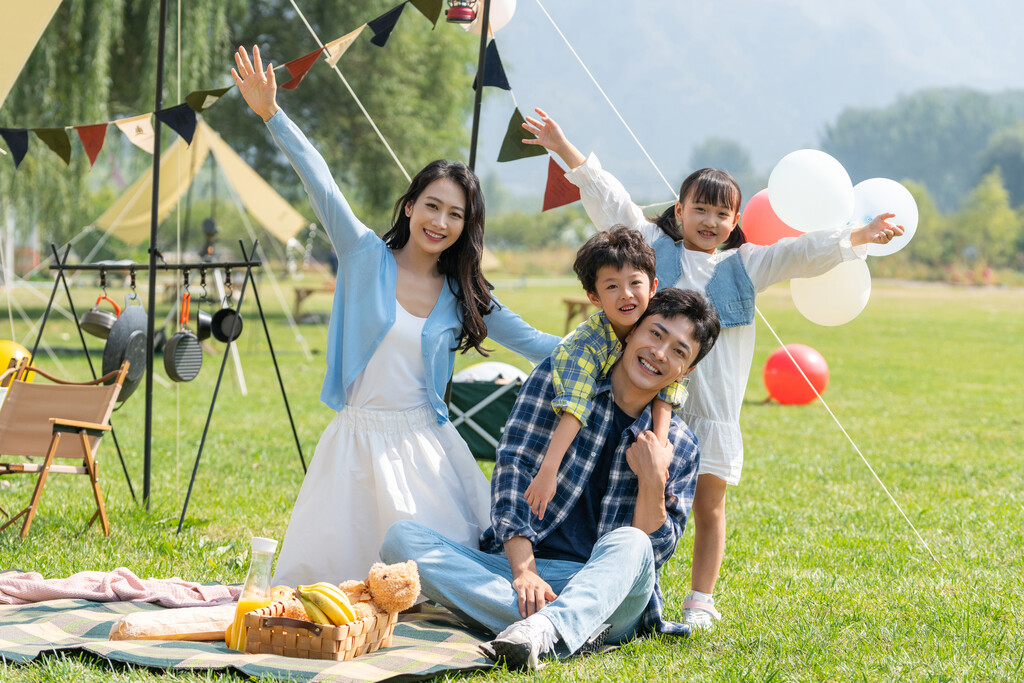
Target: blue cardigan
(364, 298)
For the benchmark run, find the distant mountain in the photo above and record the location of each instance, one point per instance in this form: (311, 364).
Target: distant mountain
(771, 76)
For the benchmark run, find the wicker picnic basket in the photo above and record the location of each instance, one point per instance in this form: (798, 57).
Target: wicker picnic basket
(267, 632)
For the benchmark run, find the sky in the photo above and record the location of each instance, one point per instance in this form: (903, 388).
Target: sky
(770, 75)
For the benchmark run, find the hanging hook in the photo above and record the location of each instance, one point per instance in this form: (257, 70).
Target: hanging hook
(131, 275)
(103, 280)
(202, 282)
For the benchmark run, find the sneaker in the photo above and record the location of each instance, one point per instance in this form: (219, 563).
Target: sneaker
(700, 615)
(521, 644)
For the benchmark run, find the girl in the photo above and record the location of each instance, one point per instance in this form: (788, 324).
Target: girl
(699, 246)
(402, 306)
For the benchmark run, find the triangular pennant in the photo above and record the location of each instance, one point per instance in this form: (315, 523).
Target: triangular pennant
(57, 140)
(559, 191)
(494, 72)
(138, 129)
(431, 9)
(336, 48)
(299, 67)
(201, 100)
(92, 138)
(17, 142)
(182, 120)
(513, 147)
(383, 25)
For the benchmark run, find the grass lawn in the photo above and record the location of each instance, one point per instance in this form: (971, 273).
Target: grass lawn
(822, 580)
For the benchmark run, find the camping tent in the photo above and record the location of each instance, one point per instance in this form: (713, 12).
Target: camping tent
(23, 24)
(128, 218)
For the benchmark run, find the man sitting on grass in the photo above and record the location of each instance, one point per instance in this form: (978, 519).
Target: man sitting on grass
(590, 566)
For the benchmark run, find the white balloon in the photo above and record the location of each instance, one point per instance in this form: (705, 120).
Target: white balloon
(809, 190)
(501, 14)
(881, 195)
(835, 298)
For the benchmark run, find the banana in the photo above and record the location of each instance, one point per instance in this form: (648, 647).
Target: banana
(315, 614)
(326, 605)
(338, 598)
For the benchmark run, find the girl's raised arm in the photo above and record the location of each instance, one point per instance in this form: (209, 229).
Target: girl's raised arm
(259, 88)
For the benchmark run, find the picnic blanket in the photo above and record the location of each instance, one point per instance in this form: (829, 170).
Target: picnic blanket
(424, 645)
(18, 588)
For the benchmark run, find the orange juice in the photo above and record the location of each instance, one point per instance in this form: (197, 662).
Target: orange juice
(245, 604)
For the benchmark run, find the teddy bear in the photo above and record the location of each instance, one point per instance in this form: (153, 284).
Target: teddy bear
(388, 588)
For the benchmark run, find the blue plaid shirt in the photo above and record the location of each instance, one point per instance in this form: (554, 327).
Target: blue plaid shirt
(521, 450)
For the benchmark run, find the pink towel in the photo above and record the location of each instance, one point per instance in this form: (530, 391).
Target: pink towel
(18, 588)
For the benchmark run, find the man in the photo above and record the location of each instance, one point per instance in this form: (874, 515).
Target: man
(590, 566)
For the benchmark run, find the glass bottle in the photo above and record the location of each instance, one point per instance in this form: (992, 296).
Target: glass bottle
(255, 592)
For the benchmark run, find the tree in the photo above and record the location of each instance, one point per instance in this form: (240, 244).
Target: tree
(730, 156)
(987, 230)
(1005, 152)
(94, 62)
(417, 89)
(934, 137)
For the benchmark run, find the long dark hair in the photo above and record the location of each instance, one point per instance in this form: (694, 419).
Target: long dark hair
(707, 186)
(459, 263)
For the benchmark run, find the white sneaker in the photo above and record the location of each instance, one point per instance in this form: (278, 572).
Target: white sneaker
(700, 615)
(521, 644)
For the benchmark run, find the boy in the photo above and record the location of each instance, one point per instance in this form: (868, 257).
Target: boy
(616, 269)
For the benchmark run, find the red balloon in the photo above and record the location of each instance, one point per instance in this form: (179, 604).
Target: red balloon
(761, 225)
(785, 383)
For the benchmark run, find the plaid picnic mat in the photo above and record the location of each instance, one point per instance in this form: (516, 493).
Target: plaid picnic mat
(424, 645)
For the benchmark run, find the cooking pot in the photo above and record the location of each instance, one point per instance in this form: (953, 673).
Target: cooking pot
(227, 324)
(183, 354)
(127, 342)
(97, 322)
(204, 323)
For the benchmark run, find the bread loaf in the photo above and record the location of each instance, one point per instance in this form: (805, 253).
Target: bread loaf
(185, 623)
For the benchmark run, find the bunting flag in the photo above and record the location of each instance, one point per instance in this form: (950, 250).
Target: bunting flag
(336, 48)
(182, 120)
(92, 138)
(383, 25)
(559, 191)
(513, 147)
(298, 68)
(494, 72)
(201, 100)
(138, 129)
(431, 9)
(57, 140)
(17, 142)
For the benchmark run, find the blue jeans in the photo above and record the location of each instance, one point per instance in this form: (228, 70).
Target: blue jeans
(613, 587)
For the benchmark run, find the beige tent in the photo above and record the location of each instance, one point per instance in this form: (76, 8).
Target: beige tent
(23, 24)
(129, 217)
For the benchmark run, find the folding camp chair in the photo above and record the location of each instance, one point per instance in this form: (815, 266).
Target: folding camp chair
(33, 418)
(479, 411)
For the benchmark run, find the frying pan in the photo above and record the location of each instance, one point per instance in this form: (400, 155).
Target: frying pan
(127, 342)
(183, 354)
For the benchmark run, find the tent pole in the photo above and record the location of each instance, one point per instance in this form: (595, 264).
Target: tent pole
(481, 63)
(150, 322)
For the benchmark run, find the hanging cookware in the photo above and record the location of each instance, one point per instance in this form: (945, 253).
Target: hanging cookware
(227, 325)
(97, 322)
(183, 354)
(204, 323)
(127, 342)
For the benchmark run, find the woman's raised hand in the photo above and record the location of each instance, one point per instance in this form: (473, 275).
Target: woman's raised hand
(550, 136)
(258, 86)
(878, 231)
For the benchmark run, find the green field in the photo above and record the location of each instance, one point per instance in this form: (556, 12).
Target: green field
(822, 580)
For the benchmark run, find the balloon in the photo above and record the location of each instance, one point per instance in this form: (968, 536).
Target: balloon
(835, 298)
(501, 13)
(785, 383)
(881, 195)
(761, 225)
(809, 190)
(12, 349)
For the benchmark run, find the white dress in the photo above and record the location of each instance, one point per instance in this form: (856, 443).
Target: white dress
(382, 458)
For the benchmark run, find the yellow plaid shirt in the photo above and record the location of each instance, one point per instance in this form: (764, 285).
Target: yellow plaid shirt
(585, 357)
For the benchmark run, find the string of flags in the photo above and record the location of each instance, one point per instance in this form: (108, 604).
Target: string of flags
(181, 118)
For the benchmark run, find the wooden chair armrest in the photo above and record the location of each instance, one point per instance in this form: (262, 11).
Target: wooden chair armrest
(55, 421)
(99, 380)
